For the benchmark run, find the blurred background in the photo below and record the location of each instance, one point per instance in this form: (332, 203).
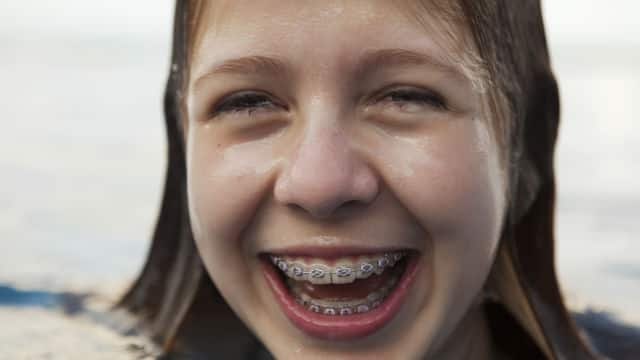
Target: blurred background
(82, 148)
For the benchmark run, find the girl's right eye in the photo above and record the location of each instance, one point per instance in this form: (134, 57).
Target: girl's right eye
(245, 102)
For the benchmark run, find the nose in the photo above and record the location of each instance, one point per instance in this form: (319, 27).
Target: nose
(326, 176)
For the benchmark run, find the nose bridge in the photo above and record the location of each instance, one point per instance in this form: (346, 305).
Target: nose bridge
(323, 160)
(324, 171)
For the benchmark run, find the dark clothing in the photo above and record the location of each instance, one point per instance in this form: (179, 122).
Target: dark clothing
(611, 338)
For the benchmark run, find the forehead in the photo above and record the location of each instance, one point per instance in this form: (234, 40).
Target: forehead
(223, 16)
(293, 28)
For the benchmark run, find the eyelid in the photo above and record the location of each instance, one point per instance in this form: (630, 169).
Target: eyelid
(215, 109)
(439, 101)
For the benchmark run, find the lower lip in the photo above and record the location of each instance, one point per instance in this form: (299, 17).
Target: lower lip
(341, 327)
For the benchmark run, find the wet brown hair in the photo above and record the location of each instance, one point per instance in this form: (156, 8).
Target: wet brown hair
(179, 306)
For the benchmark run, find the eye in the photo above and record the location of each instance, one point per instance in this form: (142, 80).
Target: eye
(245, 101)
(411, 99)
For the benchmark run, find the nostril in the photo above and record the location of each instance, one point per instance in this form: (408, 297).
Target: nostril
(351, 207)
(327, 210)
(296, 208)
(351, 204)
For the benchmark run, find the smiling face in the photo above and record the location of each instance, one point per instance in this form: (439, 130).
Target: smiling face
(345, 189)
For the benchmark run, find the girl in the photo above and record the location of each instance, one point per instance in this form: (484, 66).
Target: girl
(358, 179)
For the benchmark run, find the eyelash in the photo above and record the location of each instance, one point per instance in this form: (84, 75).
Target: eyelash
(413, 96)
(246, 101)
(250, 101)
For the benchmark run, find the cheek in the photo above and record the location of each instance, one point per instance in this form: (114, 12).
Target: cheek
(225, 186)
(452, 183)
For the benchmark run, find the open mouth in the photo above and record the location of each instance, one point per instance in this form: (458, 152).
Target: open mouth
(341, 297)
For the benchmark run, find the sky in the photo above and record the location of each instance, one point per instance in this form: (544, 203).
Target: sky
(576, 21)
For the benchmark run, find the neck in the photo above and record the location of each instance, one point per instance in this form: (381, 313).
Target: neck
(471, 339)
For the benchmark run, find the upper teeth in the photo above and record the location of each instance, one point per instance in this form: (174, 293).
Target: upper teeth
(342, 271)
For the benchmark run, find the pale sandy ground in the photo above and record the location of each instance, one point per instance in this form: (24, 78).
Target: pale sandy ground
(43, 334)
(50, 333)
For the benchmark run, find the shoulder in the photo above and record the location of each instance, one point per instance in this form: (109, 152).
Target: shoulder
(608, 335)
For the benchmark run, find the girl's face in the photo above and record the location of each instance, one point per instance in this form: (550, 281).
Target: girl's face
(345, 191)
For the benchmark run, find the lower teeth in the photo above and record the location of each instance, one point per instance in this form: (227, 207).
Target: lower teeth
(338, 310)
(346, 308)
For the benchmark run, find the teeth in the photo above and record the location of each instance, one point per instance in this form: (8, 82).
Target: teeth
(329, 311)
(365, 270)
(296, 271)
(319, 274)
(343, 274)
(340, 271)
(334, 307)
(282, 266)
(343, 271)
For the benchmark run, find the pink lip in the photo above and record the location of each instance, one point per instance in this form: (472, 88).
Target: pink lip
(341, 327)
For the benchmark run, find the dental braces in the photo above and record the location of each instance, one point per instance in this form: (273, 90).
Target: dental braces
(343, 308)
(340, 310)
(319, 271)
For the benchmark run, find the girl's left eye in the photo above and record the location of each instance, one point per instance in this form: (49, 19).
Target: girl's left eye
(413, 99)
(246, 101)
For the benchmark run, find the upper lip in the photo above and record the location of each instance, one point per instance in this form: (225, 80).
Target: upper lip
(330, 252)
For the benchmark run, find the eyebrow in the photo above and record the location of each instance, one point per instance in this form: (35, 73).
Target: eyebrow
(371, 62)
(388, 58)
(255, 64)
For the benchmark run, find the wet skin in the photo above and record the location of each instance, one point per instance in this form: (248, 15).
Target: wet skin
(341, 124)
